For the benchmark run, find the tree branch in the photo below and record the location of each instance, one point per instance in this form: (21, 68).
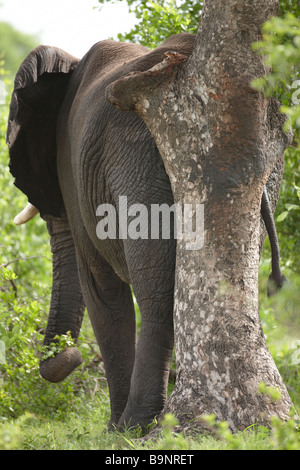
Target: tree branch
(130, 92)
(4, 265)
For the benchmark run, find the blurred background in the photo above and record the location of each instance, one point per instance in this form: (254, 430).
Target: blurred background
(72, 25)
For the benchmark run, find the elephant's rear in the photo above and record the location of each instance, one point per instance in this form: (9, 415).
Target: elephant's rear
(112, 154)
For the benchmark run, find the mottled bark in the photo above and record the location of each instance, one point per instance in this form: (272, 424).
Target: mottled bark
(220, 141)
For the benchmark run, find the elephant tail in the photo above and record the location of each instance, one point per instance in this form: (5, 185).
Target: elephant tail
(276, 278)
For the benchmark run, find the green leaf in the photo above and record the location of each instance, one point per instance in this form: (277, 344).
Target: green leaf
(292, 207)
(282, 216)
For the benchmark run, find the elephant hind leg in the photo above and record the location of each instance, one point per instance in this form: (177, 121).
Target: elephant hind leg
(111, 310)
(154, 291)
(149, 382)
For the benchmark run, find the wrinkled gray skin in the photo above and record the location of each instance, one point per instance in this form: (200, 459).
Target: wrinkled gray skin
(98, 154)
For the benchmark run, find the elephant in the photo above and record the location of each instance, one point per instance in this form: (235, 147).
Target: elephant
(71, 151)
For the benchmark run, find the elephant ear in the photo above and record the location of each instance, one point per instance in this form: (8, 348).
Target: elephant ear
(39, 89)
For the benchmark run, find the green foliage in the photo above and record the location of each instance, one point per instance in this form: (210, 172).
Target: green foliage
(287, 213)
(292, 6)
(170, 439)
(14, 46)
(10, 433)
(61, 343)
(280, 436)
(27, 246)
(161, 19)
(280, 48)
(273, 393)
(285, 435)
(22, 324)
(21, 327)
(283, 309)
(85, 430)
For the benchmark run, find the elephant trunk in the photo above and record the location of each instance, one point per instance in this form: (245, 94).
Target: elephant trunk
(67, 306)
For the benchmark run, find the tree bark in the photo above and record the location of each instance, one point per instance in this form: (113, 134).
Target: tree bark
(219, 140)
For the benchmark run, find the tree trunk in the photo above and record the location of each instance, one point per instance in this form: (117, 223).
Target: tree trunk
(219, 140)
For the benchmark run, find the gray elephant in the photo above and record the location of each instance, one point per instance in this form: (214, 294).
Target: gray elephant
(71, 151)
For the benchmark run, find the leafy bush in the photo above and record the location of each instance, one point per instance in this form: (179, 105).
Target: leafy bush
(21, 331)
(280, 48)
(161, 19)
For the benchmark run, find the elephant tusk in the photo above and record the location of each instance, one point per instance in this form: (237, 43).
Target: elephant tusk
(27, 214)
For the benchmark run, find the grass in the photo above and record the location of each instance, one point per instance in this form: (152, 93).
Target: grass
(86, 430)
(79, 422)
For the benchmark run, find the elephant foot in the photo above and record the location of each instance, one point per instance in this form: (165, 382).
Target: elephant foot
(131, 420)
(56, 369)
